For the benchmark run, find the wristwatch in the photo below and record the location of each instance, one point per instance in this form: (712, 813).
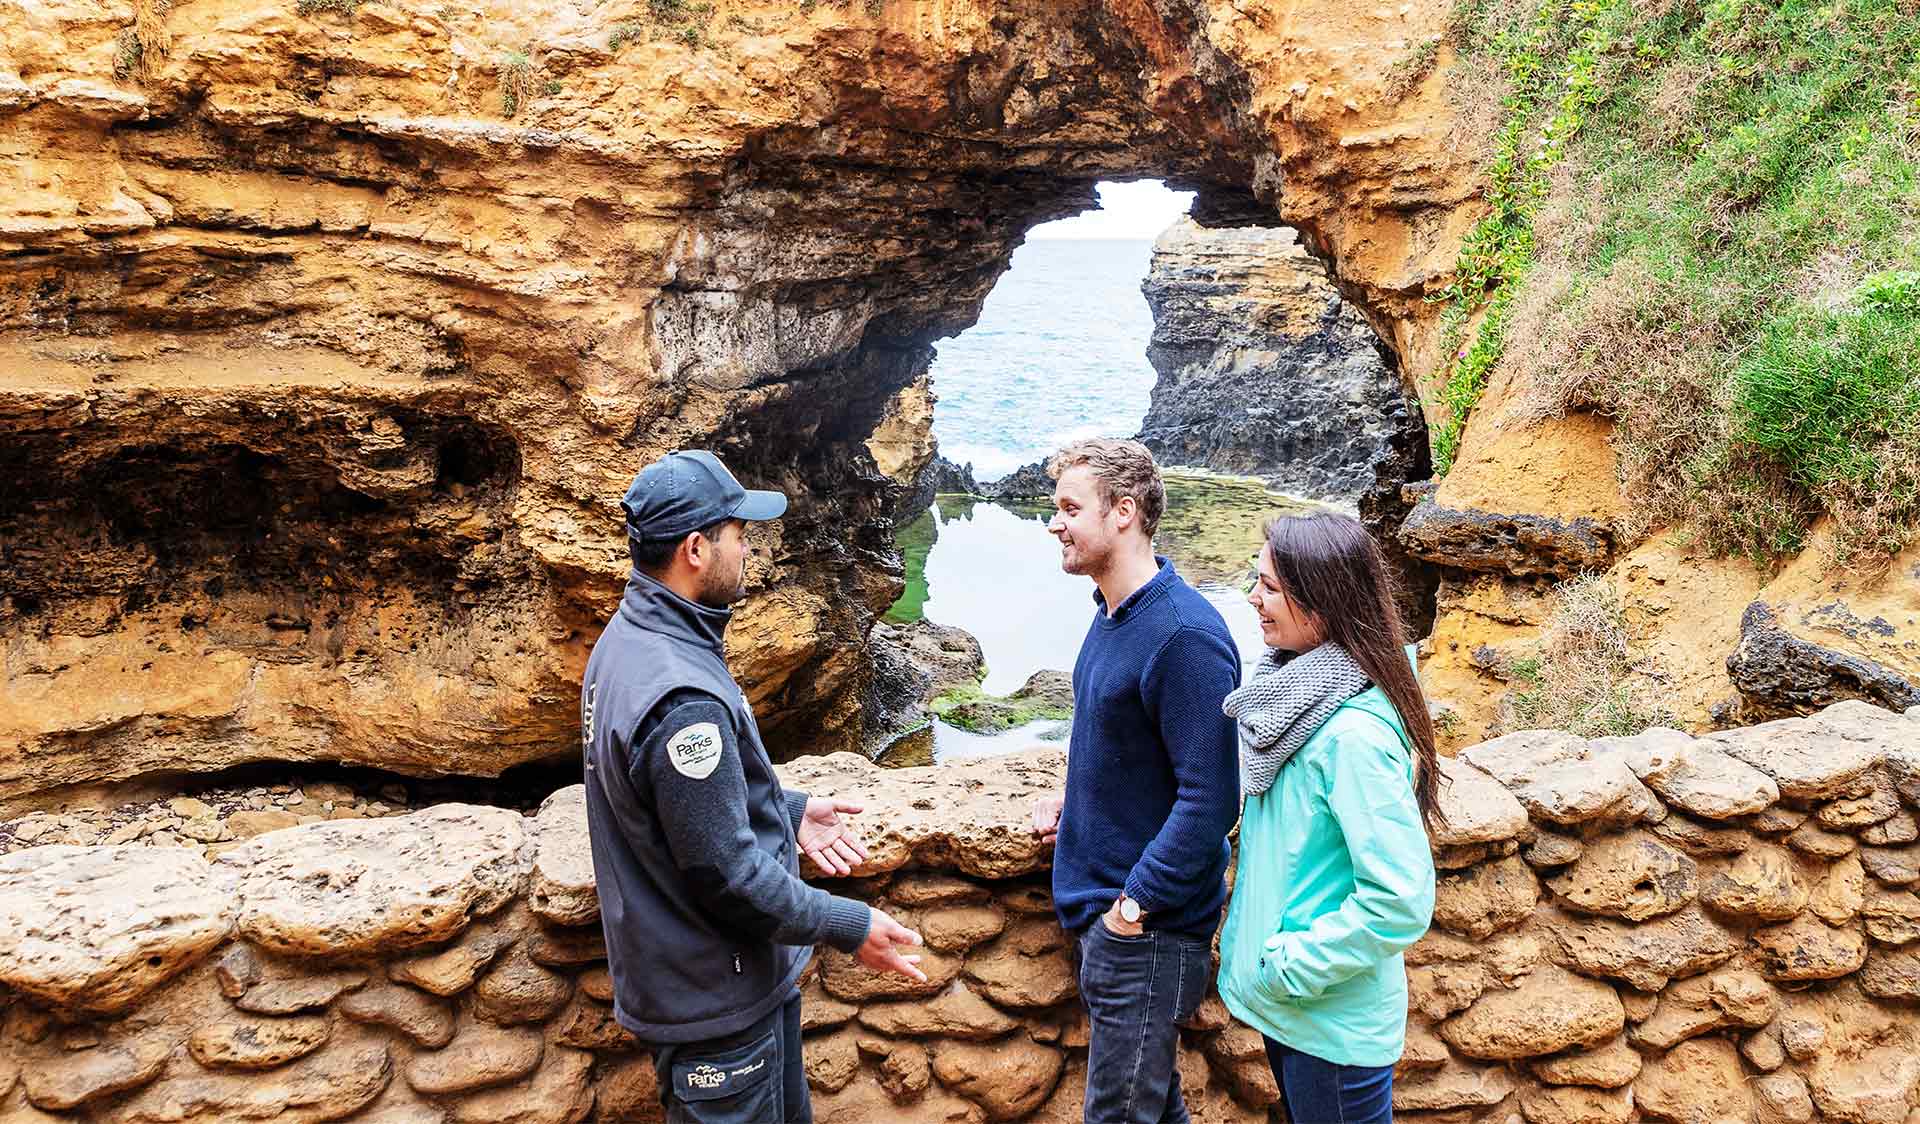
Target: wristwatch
(1129, 910)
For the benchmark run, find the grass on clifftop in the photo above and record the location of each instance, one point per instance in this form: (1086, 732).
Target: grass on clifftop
(1725, 260)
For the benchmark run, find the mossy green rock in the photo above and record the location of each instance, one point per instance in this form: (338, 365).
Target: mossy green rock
(1046, 695)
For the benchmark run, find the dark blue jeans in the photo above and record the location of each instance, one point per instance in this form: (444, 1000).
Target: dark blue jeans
(755, 1076)
(1136, 989)
(1316, 1091)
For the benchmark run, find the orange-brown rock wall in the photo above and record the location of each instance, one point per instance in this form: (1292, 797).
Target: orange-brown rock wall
(330, 333)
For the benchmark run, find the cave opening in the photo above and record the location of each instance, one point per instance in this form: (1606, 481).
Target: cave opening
(1226, 349)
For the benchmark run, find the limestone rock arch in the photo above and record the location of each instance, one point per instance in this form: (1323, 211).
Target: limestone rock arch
(330, 332)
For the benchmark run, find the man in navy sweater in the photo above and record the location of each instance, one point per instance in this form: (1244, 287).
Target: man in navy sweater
(1153, 786)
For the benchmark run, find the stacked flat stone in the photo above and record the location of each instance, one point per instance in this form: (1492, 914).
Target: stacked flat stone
(1660, 927)
(1675, 910)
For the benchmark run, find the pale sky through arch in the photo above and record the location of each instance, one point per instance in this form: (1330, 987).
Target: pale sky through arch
(1141, 209)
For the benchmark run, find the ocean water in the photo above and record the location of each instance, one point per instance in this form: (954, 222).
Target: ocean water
(1060, 353)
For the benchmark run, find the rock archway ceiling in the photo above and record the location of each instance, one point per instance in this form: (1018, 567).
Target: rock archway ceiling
(320, 375)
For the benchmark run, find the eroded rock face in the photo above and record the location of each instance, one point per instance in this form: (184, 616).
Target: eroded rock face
(358, 888)
(1780, 670)
(1263, 369)
(336, 334)
(95, 929)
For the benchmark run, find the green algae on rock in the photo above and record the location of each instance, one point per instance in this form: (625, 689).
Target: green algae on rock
(1046, 695)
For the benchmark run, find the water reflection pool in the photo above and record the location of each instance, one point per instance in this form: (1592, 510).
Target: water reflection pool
(993, 570)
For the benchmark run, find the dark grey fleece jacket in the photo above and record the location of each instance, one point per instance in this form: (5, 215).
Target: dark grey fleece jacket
(708, 924)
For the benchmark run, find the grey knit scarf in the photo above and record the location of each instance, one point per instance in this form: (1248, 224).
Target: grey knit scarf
(1285, 701)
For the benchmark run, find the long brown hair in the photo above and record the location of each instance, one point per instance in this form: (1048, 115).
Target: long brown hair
(1333, 571)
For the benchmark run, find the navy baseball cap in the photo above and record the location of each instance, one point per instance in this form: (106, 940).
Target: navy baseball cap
(685, 491)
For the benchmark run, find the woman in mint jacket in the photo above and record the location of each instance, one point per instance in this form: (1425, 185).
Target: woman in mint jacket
(1335, 874)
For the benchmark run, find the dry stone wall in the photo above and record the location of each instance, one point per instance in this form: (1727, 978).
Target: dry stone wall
(1658, 927)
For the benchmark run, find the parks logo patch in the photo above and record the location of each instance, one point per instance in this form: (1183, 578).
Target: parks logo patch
(695, 750)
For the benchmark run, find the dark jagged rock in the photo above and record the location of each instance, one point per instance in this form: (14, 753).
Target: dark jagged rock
(1384, 509)
(1517, 544)
(913, 663)
(1778, 673)
(941, 477)
(1029, 482)
(949, 479)
(1264, 370)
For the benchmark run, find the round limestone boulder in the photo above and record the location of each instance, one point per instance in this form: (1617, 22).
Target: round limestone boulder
(259, 1043)
(1009, 1078)
(1784, 1097)
(1484, 899)
(1820, 757)
(1697, 777)
(1575, 1104)
(1697, 1082)
(1630, 875)
(1645, 954)
(95, 929)
(1762, 884)
(1893, 918)
(974, 817)
(1478, 808)
(1808, 948)
(955, 1013)
(367, 887)
(1867, 1083)
(1559, 777)
(1892, 974)
(563, 890)
(1608, 1066)
(1551, 1010)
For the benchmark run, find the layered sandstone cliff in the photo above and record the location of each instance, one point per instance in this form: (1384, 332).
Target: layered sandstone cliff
(1263, 369)
(1652, 928)
(331, 332)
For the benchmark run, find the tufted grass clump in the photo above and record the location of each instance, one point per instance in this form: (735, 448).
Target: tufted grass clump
(1410, 69)
(1726, 267)
(1582, 676)
(624, 32)
(128, 55)
(680, 20)
(312, 7)
(518, 80)
(1833, 397)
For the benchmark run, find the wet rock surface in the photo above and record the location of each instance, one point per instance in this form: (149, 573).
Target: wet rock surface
(913, 664)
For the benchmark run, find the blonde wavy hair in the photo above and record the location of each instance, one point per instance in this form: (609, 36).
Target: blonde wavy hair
(1120, 468)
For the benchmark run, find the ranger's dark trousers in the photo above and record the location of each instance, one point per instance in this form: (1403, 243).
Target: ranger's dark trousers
(753, 1076)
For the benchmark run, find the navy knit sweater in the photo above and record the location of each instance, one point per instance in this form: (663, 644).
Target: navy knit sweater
(1153, 779)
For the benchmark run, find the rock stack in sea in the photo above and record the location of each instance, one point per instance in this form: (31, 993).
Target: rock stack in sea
(1264, 370)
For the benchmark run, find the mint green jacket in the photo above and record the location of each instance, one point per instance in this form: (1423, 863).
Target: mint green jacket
(1335, 879)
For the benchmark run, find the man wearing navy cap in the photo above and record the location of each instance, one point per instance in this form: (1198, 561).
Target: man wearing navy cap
(695, 843)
